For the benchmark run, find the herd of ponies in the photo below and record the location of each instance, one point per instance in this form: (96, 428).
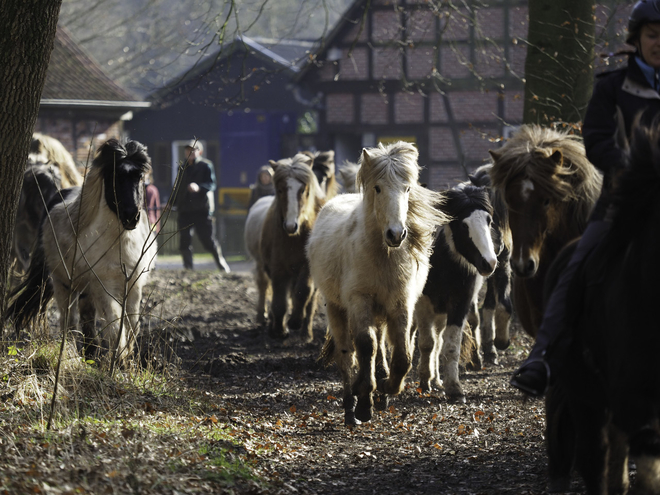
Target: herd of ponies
(394, 263)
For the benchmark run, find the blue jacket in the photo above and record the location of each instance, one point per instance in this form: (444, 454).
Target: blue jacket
(628, 89)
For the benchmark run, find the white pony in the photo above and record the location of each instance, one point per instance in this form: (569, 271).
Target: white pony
(96, 248)
(369, 256)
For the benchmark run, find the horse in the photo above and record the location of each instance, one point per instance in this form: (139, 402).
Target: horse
(323, 167)
(46, 149)
(549, 187)
(50, 167)
(497, 309)
(277, 228)
(610, 378)
(41, 182)
(347, 174)
(94, 252)
(369, 256)
(463, 254)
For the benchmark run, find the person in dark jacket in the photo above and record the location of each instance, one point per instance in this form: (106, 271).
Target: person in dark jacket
(263, 186)
(619, 98)
(195, 206)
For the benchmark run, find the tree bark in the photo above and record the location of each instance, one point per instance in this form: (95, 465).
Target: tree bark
(559, 64)
(27, 31)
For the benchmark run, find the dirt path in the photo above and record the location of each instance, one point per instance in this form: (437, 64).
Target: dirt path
(286, 407)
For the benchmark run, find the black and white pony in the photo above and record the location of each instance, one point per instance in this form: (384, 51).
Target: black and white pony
(95, 251)
(463, 254)
(497, 308)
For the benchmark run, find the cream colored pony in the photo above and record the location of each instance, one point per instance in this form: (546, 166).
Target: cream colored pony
(46, 149)
(369, 256)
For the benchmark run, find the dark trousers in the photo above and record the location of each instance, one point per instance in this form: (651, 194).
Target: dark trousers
(204, 227)
(553, 340)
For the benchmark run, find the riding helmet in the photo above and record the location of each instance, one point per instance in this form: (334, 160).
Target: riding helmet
(643, 12)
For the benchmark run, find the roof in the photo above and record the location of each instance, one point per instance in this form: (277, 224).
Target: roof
(289, 55)
(74, 78)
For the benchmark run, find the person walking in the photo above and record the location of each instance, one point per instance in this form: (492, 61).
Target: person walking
(195, 206)
(619, 98)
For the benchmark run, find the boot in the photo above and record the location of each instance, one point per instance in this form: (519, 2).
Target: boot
(220, 261)
(187, 258)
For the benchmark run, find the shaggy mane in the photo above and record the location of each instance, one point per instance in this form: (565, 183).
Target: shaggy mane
(528, 154)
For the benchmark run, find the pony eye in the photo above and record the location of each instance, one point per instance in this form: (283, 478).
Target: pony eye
(408, 189)
(377, 188)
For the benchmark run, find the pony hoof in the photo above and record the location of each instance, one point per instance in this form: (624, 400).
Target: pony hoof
(274, 334)
(491, 358)
(350, 420)
(364, 410)
(381, 401)
(560, 484)
(474, 365)
(456, 399)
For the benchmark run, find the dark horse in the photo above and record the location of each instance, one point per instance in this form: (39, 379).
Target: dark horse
(611, 379)
(549, 188)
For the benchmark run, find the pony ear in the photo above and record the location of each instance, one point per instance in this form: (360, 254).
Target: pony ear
(557, 157)
(495, 155)
(365, 155)
(273, 164)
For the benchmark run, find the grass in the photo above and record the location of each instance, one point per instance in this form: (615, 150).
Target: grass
(141, 430)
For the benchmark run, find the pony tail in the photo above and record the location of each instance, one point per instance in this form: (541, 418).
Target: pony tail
(31, 297)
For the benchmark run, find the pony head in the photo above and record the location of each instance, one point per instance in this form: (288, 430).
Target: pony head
(549, 188)
(386, 176)
(123, 168)
(347, 174)
(324, 169)
(297, 192)
(469, 233)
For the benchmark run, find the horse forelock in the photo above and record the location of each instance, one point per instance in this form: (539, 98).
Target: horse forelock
(394, 162)
(302, 172)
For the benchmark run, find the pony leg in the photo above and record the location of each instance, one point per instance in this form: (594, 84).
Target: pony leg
(304, 303)
(618, 479)
(360, 323)
(344, 354)
(278, 309)
(451, 351)
(398, 331)
(428, 343)
(488, 323)
(592, 447)
(90, 342)
(503, 308)
(263, 285)
(382, 367)
(473, 322)
(308, 320)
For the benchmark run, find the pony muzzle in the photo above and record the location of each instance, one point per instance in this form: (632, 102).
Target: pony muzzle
(290, 228)
(131, 222)
(394, 237)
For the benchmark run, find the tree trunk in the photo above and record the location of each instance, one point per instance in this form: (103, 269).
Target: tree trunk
(27, 31)
(559, 64)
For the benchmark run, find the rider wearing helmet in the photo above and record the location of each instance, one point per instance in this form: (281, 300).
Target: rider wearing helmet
(621, 95)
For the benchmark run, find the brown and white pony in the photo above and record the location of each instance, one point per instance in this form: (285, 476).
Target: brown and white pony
(549, 188)
(369, 256)
(276, 231)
